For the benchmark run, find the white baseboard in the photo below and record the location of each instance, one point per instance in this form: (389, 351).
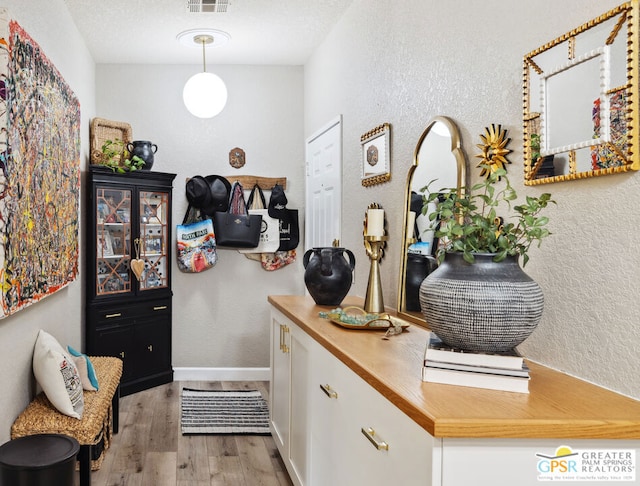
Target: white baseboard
(221, 374)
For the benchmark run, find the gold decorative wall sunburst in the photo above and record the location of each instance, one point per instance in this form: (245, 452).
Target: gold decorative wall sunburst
(494, 151)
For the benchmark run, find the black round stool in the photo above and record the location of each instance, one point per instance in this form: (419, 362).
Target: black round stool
(39, 460)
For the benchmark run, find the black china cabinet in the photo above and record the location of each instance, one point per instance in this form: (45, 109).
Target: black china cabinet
(128, 249)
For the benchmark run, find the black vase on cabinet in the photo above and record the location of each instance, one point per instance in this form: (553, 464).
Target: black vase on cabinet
(328, 274)
(418, 267)
(145, 150)
(128, 313)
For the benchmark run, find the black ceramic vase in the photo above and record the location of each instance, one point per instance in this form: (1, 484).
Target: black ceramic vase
(486, 306)
(328, 274)
(145, 150)
(418, 267)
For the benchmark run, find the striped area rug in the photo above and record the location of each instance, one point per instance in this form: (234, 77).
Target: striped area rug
(224, 412)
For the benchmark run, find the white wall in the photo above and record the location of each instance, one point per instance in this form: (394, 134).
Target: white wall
(221, 316)
(464, 60)
(61, 313)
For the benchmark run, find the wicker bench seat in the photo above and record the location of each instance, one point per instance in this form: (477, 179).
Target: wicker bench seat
(99, 420)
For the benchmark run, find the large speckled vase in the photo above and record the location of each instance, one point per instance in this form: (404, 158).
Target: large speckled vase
(484, 306)
(328, 275)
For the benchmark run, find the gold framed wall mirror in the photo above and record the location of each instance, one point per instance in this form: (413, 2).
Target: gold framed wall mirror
(580, 101)
(438, 157)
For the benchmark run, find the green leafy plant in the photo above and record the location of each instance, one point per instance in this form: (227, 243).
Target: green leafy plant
(116, 157)
(470, 223)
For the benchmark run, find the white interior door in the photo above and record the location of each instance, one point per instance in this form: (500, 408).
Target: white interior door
(323, 205)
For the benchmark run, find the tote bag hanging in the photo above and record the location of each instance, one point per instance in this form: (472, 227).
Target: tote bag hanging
(256, 201)
(288, 218)
(270, 229)
(196, 244)
(236, 228)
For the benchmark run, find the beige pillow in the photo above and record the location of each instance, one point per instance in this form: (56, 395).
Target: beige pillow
(90, 373)
(81, 364)
(58, 375)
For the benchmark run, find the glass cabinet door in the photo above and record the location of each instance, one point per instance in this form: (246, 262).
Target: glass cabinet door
(113, 240)
(154, 239)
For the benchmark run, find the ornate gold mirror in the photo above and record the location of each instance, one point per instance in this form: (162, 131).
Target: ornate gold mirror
(439, 158)
(581, 101)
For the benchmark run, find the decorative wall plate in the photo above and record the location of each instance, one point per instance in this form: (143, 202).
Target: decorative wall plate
(236, 157)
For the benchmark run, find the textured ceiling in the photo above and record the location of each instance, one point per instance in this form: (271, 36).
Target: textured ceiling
(282, 32)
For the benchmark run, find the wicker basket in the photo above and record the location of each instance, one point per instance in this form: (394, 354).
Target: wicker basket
(101, 130)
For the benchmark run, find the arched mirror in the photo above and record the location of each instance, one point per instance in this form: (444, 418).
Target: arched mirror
(581, 101)
(438, 158)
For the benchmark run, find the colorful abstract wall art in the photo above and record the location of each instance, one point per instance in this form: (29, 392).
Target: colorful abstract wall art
(39, 173)
(611, 154)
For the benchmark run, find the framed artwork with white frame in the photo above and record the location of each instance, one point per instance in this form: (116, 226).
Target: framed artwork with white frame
(376, 155)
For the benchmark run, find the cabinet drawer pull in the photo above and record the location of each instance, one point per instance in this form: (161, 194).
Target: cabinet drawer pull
(159, 307)
(370, 434)
(122, 354)
(285, 330)
(109, 316)
(150, 348)
(329, 391)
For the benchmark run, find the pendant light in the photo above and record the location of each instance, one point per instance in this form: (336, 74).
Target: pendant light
(204, 94)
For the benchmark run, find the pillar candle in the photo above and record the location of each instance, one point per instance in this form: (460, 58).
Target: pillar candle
(375, 222)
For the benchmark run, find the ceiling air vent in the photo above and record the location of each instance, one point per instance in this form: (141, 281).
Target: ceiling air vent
(207, 6)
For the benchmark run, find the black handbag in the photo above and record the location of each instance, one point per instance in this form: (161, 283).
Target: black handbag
(236, 228)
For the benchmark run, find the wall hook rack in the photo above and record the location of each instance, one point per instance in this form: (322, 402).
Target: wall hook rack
(265, 183)
(248, 181)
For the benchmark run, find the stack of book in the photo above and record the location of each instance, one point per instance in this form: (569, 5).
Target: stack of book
(496, 371)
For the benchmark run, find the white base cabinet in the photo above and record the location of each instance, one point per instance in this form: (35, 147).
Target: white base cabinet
(332, 428)
(289, 407)
(358, 436)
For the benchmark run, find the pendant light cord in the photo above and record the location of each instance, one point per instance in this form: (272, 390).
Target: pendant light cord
(204, 59)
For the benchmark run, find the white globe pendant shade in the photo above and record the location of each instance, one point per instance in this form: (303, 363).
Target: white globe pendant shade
(205, 95)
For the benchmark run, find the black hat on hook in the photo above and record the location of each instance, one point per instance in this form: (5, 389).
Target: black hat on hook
(220, 189)
(209, 194)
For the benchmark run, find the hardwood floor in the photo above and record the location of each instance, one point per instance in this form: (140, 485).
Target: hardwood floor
(150, 450)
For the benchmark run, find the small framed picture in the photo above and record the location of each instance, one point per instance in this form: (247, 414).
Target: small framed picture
(376, 155)
(153, 280)
(123, 215)
(117, 245)
(110, 283)
(152, 245)
(105, 245)
(102, 212)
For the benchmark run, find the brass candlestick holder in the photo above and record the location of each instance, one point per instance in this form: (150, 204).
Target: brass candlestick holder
(374, 245)
(373, 302)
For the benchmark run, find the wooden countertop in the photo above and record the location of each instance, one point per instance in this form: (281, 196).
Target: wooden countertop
(557, 406)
